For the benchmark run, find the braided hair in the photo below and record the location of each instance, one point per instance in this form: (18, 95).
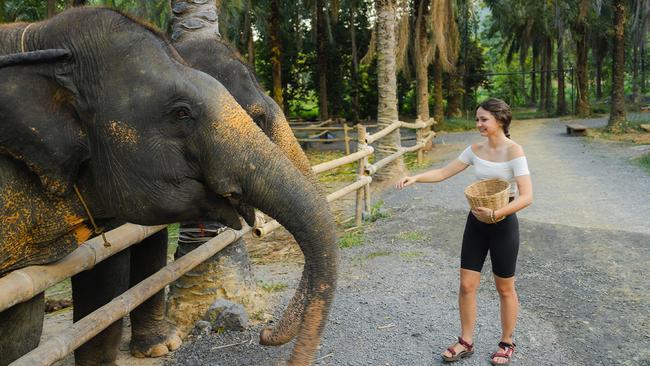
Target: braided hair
(501, 112)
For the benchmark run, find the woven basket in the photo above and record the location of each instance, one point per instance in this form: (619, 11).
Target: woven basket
(489, 193)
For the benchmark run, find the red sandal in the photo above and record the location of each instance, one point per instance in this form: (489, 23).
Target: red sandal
(468, 351)
(509, 349)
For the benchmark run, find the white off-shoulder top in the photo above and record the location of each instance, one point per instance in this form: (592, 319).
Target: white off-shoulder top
(485, 169)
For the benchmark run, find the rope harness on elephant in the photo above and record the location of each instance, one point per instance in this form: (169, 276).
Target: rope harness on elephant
(97, 230)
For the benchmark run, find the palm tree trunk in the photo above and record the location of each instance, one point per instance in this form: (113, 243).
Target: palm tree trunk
(549, 76)
(51, 8)
(387, 87)
(599, 78)
(542, 78)
(438, 109)
(421, 57)
(276, 52)
(2, 11)
(533, 78)
(617, 122)
(248, 29)
(561, 100)
(454, 97)
(635, 74)
(582, 51)
(322, 60)
(355, 62)
(642, 82)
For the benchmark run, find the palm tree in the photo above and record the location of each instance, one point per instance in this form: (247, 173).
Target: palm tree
(274, 20)
(580, 28)
(387, 86)
(321, 30)
(617, 121)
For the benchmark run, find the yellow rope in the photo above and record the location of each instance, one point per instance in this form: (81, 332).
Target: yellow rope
(22, 38)
(98, 230)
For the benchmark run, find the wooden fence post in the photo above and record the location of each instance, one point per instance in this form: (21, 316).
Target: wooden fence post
(346, 138)
(418, 138)
(361, 168)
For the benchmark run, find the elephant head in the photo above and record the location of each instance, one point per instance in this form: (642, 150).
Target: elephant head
(151, 140)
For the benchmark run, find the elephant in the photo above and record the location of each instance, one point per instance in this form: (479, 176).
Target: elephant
(205, 50)
(94, 102)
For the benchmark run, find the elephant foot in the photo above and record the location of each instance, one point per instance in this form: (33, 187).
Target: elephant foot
(155, 343)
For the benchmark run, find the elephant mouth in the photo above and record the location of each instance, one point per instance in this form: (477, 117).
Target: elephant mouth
(227, 207)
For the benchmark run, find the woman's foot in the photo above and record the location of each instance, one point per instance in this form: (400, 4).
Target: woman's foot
(460, 349)
(504, 354)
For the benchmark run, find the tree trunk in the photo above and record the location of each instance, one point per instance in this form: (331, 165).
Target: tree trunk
(533, 78)
(276, 52)
(549, 76)
(322, 60)
(561, 100)
(387, 88)
(635, 74)
(582, 52)
(76, 2)
(51, 8)
(542, 77)
(421, 56)
(454, 99)
(617, 122)
(2, 11)
(642, 82)
(438, 108)
(248, 28)
(522, 84)
(355, 62)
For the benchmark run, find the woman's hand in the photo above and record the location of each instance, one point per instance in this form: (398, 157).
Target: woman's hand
(405, 182)
(483, 214)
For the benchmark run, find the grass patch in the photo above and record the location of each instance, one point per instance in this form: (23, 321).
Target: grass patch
(374, 255)
(644, 161)
(456, 124)
(345, 173)
(376, 212)
(172, 238)
(411, 255)
(351, 239)
(272, 286)
(411, 161)
(411, 236)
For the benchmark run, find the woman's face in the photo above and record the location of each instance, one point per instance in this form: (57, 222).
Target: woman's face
(486, 124)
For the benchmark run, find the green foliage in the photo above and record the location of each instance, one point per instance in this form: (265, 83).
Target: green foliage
(351, 239)
(644, 161)
(172, 238)
(376, 212)
(374, 255)
(272, 286)
(411, 236)
(459, 124)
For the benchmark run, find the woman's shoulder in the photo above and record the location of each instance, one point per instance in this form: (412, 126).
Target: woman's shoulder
(515, 150)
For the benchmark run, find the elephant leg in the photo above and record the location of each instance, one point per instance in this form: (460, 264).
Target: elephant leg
(289, 324)
(91, 290)
(151, 334)
(20, 328)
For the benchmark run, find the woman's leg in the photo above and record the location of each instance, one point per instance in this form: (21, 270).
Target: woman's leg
(469, 282)
(509, 310)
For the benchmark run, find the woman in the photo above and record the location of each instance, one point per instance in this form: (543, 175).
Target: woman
(496, 157)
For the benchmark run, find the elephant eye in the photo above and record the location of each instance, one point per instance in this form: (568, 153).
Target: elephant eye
(182, 113)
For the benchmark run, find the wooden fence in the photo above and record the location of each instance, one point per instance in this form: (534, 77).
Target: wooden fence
(25, 283)
(365, 170)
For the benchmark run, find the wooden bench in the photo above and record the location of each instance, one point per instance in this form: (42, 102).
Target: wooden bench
(645, 127)
(645, 108)
(576, 129)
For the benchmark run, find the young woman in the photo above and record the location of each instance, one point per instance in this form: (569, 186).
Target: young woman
(496, 157)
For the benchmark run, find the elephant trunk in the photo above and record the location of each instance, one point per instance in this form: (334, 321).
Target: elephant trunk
(265, 178)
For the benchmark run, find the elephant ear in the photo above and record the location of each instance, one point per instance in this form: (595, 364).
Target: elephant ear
(39, 124)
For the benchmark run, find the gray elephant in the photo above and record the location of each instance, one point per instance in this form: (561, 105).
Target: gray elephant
(90, 99)
(203, 49)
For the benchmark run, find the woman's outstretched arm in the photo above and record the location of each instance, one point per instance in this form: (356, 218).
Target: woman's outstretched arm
(433, 176)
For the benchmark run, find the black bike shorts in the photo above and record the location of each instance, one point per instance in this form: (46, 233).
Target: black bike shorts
(500, 239)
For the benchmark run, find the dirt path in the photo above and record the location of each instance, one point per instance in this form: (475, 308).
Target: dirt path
(581, 274)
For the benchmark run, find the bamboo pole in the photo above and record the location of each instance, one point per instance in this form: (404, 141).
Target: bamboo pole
(373, 168)
(346, 138)
(377, 135)
(317, 128)
(328, 165)
(23, 284)
(321, 140)
(270, 226)
(58, 347)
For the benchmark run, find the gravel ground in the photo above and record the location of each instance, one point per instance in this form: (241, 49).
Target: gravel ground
(581, 273)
